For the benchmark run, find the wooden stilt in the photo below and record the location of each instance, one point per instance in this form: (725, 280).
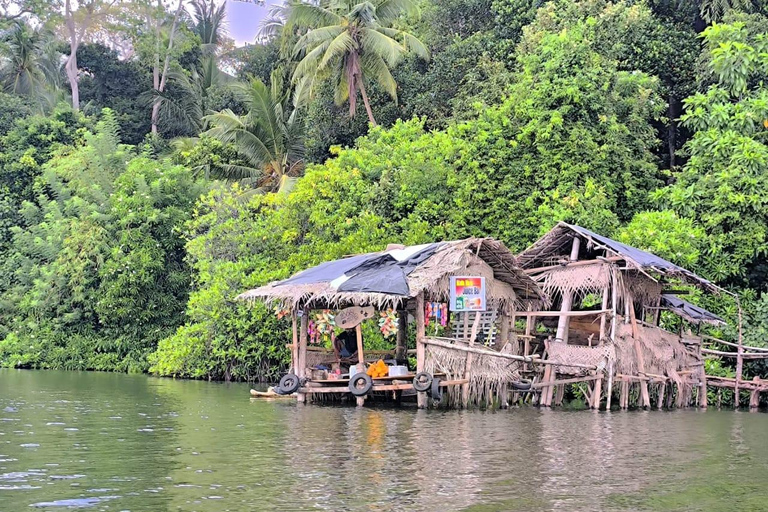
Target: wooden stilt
(624, 394)
(421, 353)
(662, 392)
(302, 351)
(559, 394)
(468, 361)
(754, 396)
(598, 389)
(644, 396)
(739, 358)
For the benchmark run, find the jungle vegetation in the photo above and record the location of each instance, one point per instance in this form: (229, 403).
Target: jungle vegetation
(150, 170)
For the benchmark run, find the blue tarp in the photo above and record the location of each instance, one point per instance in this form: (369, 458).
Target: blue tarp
(689, 311)
(371, 273)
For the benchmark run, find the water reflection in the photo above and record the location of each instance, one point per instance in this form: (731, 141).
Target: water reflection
(117, 442)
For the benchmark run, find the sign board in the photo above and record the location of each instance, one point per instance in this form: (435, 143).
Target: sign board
(467, 293)
(350, 317)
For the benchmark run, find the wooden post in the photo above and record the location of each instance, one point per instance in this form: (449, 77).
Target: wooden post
(598, 389)
(530, 321)
(302, 352)
(702, 381)
(567, 305)
(468, 363)
(295, 339)
(739, 359)
(624, 395)
(402, 335)
(503, 330)
(609, 390)
(603, 317)
(662, 392)
(421, 352)
(614, 302)
(561, 336)
(645, 397)
(754, 396)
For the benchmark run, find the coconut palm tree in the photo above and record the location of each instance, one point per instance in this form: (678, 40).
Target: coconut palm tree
(351, 43)
(22, 71)
(269, 136)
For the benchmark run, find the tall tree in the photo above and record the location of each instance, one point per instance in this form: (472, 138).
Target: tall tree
(160, 78)
(269, 137)
(80, 18)
(351, 43)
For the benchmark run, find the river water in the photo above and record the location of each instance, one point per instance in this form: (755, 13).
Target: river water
(101, 441)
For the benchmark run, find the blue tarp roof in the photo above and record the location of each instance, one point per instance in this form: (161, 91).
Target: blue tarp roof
(690, 312)
(374, 272)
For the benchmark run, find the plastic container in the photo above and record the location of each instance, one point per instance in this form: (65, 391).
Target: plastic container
(397, 371)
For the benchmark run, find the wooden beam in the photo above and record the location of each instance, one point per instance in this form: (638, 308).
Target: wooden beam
(564, 313)
(565, 263)
(729, 344)
(744, 355)
(302, 351)
(421, 351)
(586, 378)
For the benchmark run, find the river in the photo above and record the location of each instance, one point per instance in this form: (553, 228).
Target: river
(99, 441)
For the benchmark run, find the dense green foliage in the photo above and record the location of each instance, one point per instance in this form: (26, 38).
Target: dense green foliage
(118, 251)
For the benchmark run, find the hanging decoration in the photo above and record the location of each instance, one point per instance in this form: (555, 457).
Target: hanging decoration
(438, 311)
(281, 312)
(388, 322)
(322, 327)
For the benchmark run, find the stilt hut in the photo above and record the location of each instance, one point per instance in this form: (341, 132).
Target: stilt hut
(462, 297)
(605, 299)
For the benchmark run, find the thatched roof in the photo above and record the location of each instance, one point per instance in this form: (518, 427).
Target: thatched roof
(691, 312)
(557, 245)
(389, 277)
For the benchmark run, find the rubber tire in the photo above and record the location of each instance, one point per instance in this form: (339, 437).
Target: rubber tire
(426, 385)
(435, 392)
(522, 385)
(290, 383)
(355, 380)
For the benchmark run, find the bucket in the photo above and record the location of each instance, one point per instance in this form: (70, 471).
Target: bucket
(396, 371)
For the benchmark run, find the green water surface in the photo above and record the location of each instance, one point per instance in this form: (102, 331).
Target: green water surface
(97, 441)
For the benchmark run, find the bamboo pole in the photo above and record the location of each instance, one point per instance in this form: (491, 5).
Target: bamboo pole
(421, 398)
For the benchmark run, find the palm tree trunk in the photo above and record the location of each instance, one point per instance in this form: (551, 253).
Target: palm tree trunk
(366, 103)
(164, 75)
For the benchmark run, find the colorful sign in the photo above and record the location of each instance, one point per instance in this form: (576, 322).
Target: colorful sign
(467, 293)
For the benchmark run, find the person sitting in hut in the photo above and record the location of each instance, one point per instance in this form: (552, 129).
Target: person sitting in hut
(345, 345)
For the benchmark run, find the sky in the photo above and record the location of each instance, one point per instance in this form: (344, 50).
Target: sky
(243, 19)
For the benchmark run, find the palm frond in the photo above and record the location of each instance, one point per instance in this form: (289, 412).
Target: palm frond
(375, 68)
(382, 45)
(389, 10)
(302, 15)
(342, 44)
